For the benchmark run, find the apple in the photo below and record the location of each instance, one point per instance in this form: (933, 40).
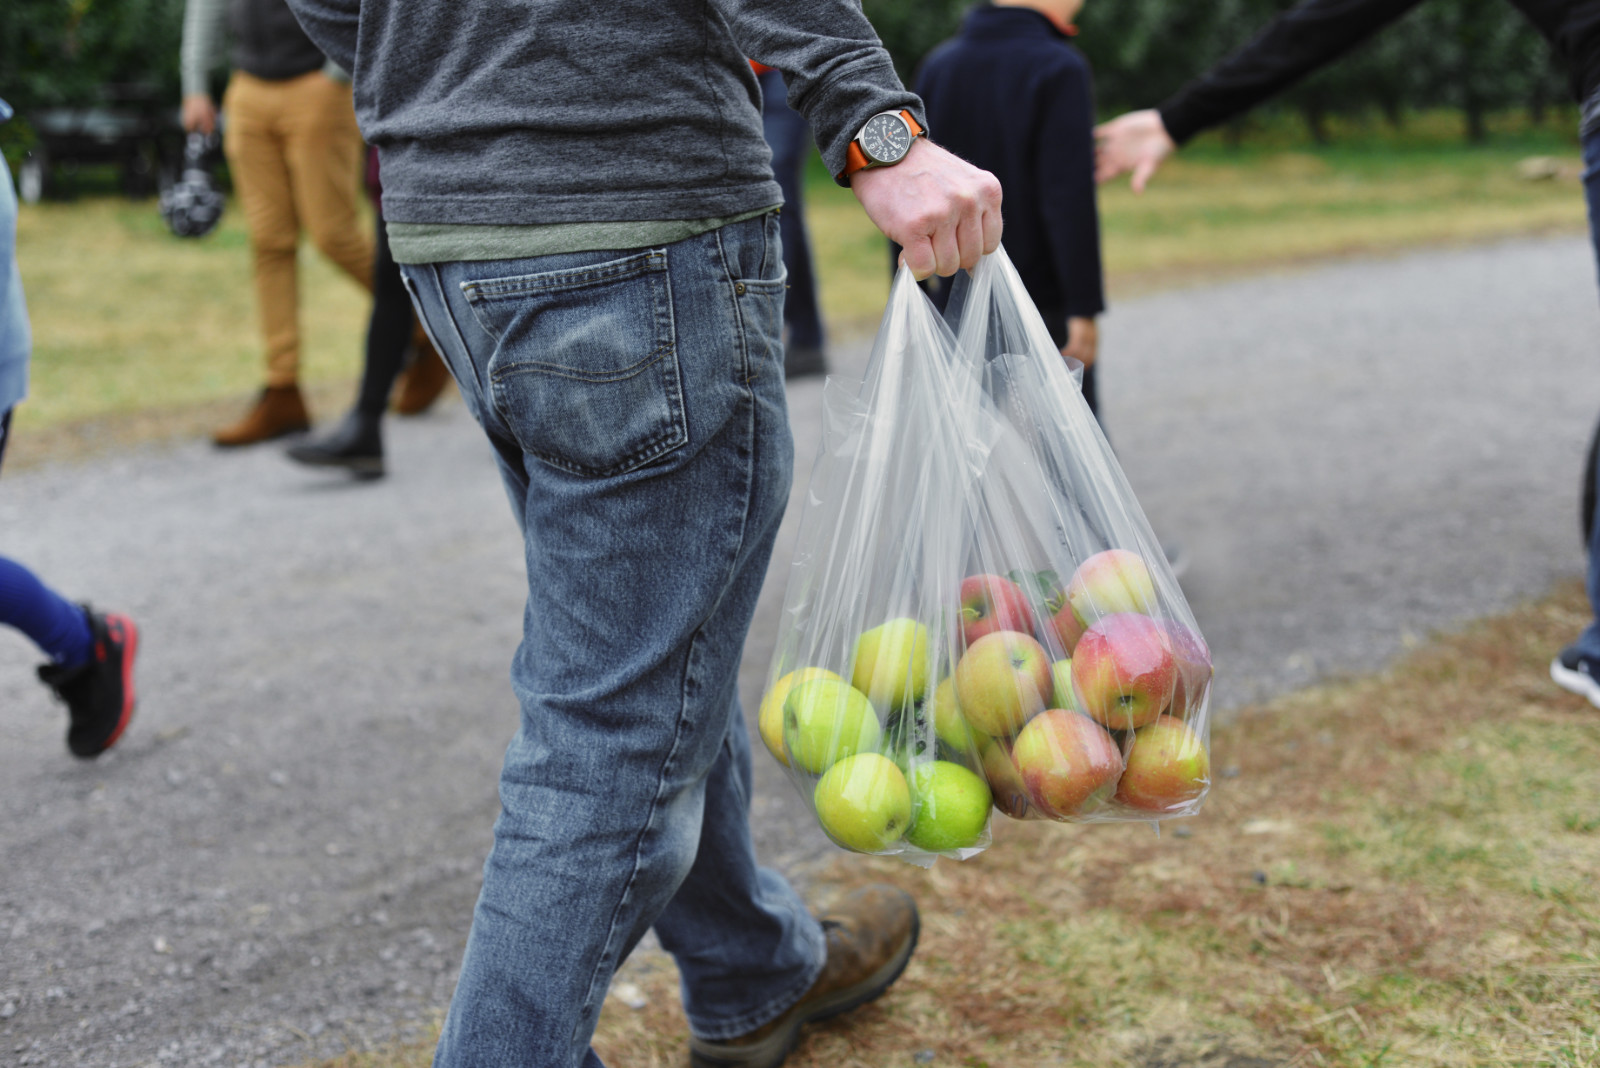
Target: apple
(1111, 582)
(1002, 680)
(1068, 762)
(1123, 670)
(1061, 695)
(1167, 767)
(1193, 662)
(956, 736)
(990, 603)
(891, 664)
(949, 807)
(826, 720)
(770, 717)
(1062, 622)
(1005, 781)
(863, 802)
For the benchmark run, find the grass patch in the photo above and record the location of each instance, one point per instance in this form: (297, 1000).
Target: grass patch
(1392, 870)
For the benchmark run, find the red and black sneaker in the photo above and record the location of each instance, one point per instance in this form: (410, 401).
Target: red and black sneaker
(99, 692)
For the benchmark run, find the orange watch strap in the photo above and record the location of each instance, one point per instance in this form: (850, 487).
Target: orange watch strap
(856, 160)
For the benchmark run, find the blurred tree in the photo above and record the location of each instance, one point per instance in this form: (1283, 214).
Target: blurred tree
(66, 52)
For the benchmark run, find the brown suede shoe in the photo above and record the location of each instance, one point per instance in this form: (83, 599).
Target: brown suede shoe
(423, 381)
(871, 934)
(279, 411)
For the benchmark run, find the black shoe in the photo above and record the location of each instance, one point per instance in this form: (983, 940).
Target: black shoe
(799, 361)
(99, 692)
(1576, 673)
(356, 445)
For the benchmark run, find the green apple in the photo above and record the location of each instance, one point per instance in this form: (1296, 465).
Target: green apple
(826, 720)
(1002, 681)
(1167, 767)
(863, 802)
(955, 734)
(1113, 581)
(1061, 675)
(770, 717)
(892, 664)
(949, 807)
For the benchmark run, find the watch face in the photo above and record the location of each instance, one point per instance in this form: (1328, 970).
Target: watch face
(885, 138)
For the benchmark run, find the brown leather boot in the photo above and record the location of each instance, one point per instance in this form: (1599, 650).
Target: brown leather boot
(280, 410)
(870, 938)
(423, 381)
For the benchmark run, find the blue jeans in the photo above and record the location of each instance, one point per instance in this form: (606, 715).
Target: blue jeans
(1588, 642)
(635, 403)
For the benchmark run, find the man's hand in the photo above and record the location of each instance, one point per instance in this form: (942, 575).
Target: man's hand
(1136, 142)
(199, 113)
(1083, 340)
(941, 210)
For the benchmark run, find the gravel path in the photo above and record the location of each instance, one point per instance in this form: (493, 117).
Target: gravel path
(280, 859)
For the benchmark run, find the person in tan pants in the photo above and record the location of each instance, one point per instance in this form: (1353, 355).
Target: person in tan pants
(296, 159)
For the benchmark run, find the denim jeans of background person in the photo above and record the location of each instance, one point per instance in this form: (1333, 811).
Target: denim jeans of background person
(598, 260)
(91, 653)
(790, 140)
(1577, 667)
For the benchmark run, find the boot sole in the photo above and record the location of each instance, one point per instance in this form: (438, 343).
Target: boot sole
(359, 466)
(772, 1051)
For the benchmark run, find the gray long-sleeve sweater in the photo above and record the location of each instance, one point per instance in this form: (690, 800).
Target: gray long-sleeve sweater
(528, 112)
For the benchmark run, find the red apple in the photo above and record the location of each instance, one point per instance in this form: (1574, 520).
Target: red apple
(1063, 622)
(1002, 681)
(1123, 670)
(1005, 781)
(1109, 583)
(1068, 762)
(1167, 767)
(990, 603)
(1193, 661)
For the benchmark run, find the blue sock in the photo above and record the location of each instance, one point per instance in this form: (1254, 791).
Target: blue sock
(55, 624)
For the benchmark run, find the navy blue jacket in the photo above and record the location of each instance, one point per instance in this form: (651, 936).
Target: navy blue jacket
(1012, 96)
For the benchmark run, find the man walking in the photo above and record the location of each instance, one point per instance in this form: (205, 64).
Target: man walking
(583, 208)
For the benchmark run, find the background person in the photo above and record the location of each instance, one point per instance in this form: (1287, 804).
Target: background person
(1304, 39)
(1011, 94)
(91, 653)
(614, 321)
(295, 156)
(789, 138)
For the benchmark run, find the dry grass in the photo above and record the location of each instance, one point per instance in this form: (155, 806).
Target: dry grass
(1394, 870)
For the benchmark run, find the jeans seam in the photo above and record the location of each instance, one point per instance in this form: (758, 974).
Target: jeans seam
(774, 1007)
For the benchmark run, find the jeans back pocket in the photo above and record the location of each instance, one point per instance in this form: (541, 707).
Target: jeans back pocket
(585, 370)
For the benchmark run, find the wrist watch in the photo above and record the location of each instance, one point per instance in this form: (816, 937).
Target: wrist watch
(882, 142)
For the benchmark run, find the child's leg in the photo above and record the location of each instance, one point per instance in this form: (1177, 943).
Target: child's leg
(55, 624)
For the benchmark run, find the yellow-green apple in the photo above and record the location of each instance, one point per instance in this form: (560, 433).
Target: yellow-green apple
(863, 802)
(1061, 695)
(990, 603)
(1167, 767)
(956, 736)
(770, 717)
(949, 807)
(891, 663)
(826, 720)
(1193, 662)
(1068, 762)
(1111, 582)
(1005, 781)
(1003, 680)
(1123, 670)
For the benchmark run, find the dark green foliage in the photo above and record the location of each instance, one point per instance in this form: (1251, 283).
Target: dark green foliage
(68, 52)
(1477, 56)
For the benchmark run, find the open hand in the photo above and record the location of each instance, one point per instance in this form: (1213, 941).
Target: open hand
(1137, 142)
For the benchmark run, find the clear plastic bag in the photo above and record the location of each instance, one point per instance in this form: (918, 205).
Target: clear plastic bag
(978, 617)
